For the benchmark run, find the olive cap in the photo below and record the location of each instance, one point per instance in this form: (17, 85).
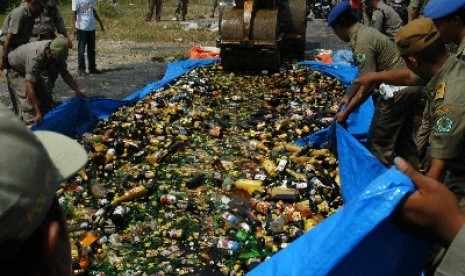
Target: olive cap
(416, 36)
(59, 49)
(437, 9)
(339, 10)
(32, 164)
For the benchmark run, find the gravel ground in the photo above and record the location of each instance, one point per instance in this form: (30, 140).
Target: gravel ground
(125, 73)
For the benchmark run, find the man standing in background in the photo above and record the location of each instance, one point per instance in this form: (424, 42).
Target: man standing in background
(83, 20)
(158, 6)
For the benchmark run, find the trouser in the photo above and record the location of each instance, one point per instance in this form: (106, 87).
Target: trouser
(86, 39)
(26, 111)
(456, 183)
(392, 127)
(214, 5)
(181, 8)
(158, 6)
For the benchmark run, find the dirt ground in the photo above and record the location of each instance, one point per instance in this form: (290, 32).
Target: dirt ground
(128, 67)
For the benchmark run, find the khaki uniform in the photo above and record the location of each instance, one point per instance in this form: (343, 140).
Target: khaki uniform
(19, 23)
(45, 26)
(446, 113)
(460, 54)
(386, 20)
(27, 63)
(47, 23)
(420, 5)
(422, 138)
(391, 131)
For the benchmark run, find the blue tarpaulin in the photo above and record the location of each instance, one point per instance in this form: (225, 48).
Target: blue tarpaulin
(359, 239)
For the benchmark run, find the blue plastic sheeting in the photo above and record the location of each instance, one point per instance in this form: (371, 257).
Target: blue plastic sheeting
(77, 115)
(360, 238)
(345, 73)
(359, 121)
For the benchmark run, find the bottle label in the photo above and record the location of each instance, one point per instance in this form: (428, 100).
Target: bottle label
(229, 217)
(225, 244)
(168, 199)
(281, 165)
(300, 185)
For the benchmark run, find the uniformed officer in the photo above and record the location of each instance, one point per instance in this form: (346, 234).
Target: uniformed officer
(392, 126)
(449, 19)
(383, 17)
(415, 9)
(17, 28)
(27, 62)
(426, 56)
(48, 23)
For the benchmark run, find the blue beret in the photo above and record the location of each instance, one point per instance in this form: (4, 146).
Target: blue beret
(436, 9)
(337, 11)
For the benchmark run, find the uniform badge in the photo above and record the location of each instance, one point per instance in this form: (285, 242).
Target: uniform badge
(444, 124)
(360, 57)
(444, 110)
(440, 91)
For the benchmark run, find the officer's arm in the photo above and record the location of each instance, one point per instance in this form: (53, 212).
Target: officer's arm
(61, 28)
(70, 81)
(31, 96)
(437, 169)
(6, 49)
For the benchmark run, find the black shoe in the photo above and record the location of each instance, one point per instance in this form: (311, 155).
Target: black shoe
(82, 73)
(148, 17)
(95, 71)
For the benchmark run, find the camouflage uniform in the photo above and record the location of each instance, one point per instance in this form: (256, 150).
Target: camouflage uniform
(27, 63)
(391, 131)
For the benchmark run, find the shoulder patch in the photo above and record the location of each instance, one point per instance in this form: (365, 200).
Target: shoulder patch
(444, 124)
(359, 56)
(440, 91)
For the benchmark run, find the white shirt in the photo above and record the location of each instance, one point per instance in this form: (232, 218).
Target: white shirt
(85, 19)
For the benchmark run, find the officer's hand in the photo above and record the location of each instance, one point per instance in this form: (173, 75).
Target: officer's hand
(101, 27)
(366, 83)
(341, 116)
(80, 94)
(425, 164)
(344, 101)
(432, 211)
(70, 43)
